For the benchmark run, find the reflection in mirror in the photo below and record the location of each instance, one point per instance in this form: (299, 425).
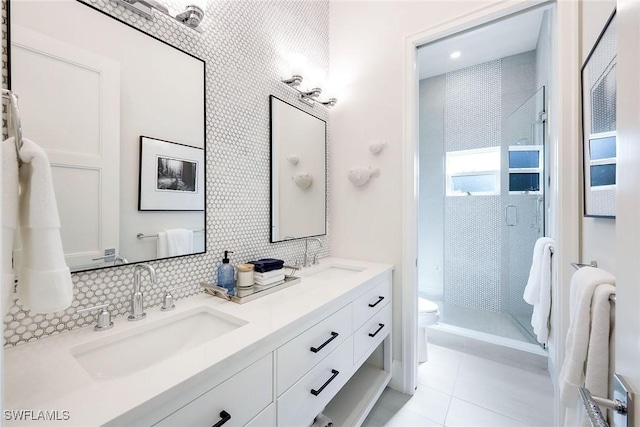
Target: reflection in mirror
(298, 173)
(106, 85)
(599, 125)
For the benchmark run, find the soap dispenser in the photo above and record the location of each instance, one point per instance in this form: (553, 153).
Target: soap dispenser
(226, 274)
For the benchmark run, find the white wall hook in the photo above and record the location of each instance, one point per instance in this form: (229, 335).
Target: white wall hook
(293, 159)
(377, 147)
(360, 175)
(303, 180)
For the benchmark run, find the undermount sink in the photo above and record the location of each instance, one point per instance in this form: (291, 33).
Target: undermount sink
(138, 348)
(333, 272)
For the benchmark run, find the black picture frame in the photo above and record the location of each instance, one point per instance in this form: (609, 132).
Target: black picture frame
(171, 176)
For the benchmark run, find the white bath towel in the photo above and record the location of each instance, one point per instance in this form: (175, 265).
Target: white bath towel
(44, 284)
(174, 242)
(538, 271)
(538, 289)
(582, 323)
(9, 219)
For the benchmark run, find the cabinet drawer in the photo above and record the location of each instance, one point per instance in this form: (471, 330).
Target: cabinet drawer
(305, 399)
(371, 302)
(266, 418)
(372, 333)
(241, 397)
(298, 356)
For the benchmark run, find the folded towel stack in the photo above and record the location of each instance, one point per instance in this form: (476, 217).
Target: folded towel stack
(278, 277)
(266, 265)
(269, 272)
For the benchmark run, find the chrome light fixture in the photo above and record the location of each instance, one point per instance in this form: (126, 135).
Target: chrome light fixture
(191, 17)
(309, 97)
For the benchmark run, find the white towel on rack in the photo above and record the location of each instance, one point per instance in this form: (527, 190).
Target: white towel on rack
(174, 242)
(9, 218)
(538, 289)
(587, 323)
(44, 284)
(538, 271)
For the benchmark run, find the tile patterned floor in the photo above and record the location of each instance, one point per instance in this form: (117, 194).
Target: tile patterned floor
(457, 389)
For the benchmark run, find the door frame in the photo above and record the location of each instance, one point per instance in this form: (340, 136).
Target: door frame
(564, 195)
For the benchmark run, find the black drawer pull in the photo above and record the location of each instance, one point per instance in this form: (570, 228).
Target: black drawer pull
(334, 335)
(225, 416)
(317, 392)
(380, 298)
(380, 326)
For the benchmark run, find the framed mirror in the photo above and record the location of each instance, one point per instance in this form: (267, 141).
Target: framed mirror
(599, 125)
(108, 85)
(298, 173)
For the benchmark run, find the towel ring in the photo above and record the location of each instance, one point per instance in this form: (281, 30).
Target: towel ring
(14, 120)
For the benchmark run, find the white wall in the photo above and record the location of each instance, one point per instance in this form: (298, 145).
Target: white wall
(366, 42)
(598, 235)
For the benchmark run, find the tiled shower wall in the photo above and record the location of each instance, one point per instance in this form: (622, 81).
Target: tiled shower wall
(243, 44)
(462, 110)
(472, 226)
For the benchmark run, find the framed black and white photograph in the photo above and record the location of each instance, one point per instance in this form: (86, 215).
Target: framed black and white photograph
(599, 125)
(171, 176)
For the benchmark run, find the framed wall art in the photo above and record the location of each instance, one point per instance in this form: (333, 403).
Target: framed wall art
(171, 176)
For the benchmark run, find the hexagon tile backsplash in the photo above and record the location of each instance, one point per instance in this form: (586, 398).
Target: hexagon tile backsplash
(242, 43)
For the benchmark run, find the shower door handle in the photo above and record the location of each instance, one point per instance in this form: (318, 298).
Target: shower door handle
(511, 215)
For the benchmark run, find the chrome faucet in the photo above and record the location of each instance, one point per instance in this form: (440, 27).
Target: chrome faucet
(305, 257)
(137, 297)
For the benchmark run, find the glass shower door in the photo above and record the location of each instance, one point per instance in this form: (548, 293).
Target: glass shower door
(523, 200)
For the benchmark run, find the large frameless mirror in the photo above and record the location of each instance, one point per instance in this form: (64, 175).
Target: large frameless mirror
(121, 116)
(298, 173)
(599, 125)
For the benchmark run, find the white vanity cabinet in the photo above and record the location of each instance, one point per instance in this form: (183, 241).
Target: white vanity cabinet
(346, 372)
(230, 403)
(291, 385)
(323, 345)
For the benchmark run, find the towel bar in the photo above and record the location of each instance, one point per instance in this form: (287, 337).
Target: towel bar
(141, 236)
(15, 120)
(594, 264)
(621, 405)
(578, 265)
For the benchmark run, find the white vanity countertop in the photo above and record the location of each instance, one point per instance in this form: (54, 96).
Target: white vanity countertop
(44, 375)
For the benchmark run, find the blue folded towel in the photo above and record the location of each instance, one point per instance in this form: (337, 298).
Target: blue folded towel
(265, 265)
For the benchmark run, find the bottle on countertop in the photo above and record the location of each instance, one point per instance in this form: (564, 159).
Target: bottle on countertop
(226, 274)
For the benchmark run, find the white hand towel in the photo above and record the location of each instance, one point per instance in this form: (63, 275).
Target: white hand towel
(537, 271)
(269, 281)
(268, 274)
(542, 309)
(44, 284)
(174, 242)
(582, 288)
(9, 219)
(597, 376)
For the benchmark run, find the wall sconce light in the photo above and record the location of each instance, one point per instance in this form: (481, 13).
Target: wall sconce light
(309, 97)
(191, 17)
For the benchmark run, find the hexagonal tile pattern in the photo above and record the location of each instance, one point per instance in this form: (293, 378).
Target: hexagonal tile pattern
(244, 44)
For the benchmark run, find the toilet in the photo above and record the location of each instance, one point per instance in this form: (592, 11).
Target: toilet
(428, 315)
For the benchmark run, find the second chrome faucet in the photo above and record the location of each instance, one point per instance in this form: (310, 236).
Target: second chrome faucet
(137, 297)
